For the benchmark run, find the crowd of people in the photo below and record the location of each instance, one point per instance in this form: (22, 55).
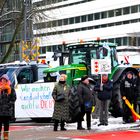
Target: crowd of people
(78, 102)
(73, 103)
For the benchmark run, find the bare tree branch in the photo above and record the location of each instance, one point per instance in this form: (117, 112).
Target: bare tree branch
(14, 37)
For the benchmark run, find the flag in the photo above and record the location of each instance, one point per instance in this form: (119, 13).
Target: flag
(135, 115)
(105, 45)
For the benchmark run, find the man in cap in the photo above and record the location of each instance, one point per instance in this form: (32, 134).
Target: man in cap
(86, 102)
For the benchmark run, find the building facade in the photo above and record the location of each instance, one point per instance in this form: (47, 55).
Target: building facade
(69, 21)
(9, 17)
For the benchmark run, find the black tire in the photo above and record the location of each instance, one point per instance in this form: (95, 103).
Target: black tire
(116, 102)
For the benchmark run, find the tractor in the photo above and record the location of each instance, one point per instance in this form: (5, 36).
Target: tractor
(81, 56)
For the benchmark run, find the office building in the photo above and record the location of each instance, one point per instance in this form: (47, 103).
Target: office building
(69, 21)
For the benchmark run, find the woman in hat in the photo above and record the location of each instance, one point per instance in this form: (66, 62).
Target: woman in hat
(7, 100)
(61, 106)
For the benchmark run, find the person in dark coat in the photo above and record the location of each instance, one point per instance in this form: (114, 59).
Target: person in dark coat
(138, 99)
(7, 100)
(104, 89)
(129, 89)
(86, 102)
(61, 107)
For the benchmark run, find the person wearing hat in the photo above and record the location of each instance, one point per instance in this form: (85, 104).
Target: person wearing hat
(138, 84)
(86, 102)
(7, 100)
(60, 95)
(129, 89)
(104, 88)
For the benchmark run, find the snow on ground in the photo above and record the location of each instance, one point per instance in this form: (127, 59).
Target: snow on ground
(113, 124)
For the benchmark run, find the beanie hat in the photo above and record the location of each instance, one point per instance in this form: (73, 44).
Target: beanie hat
(84, 77)
(4, 76)
(129, 72)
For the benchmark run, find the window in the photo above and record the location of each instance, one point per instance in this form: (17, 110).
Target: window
(59, 22)
(54, 23)
(103, 15)
(111, 13)
(77, 19)
(125, 40)
(83, 18)
(71, 21)
(111, 40)
(134, 21)
(90, 17)
(97, 16)
(65, 22)
(25, 76)
(118, 12)
(110, 24)
(118, 41)
(134, 9)
(126, 22)
(126, 10)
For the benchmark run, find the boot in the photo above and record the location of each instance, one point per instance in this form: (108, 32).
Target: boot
(55, 125)
(79, 126)
(5, 135)
(62, 126)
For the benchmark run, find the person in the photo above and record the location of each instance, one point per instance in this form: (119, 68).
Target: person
(138, 99)
(129, 89)
(7, 100)
(61, 107)
(104, 89)
(86, 102)
(95, 114)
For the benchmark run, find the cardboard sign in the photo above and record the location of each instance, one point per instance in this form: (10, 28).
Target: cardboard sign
(100, 66)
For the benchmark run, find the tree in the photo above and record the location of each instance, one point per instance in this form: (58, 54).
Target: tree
(38, 15)
(17, 28)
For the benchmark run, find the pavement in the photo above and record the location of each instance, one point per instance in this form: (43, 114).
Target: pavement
(45, 132)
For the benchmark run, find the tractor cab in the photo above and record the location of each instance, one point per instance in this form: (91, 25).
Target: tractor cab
(80, 56)
(85, 52)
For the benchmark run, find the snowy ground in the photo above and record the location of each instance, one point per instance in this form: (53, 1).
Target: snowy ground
(113, 124)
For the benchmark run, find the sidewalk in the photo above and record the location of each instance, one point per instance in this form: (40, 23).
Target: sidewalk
(113, 124)
(47, 133)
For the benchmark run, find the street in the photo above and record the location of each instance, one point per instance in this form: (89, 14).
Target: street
(44, 131)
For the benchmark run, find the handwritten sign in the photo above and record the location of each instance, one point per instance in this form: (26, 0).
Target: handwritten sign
(100, 66)
(34, 100)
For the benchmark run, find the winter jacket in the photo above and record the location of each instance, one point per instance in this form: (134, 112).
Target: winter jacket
(85, 93)
(106, 92)
(129, 88)
(61, 108)
(7, 102)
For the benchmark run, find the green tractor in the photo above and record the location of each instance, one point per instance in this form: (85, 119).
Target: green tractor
(81, 55)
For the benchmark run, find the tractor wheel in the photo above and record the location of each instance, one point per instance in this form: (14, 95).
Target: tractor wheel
(116, 102)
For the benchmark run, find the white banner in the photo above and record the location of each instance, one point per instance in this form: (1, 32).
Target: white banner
(34, 100)
(100, 66)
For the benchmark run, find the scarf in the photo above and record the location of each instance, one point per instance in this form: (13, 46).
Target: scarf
(5, 87)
